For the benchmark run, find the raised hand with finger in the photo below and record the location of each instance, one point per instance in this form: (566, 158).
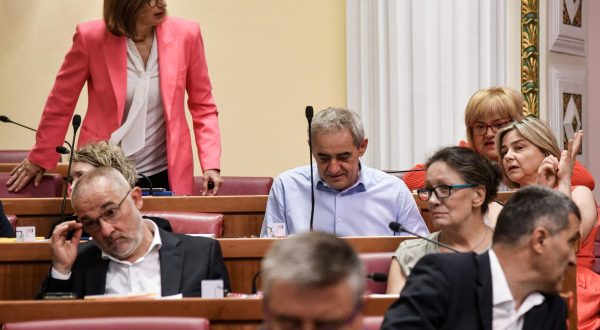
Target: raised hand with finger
(64, 251)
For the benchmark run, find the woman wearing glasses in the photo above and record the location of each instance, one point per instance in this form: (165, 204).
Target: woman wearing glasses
(486, 113)
(137, 63)
(530, 155)
(459, 186)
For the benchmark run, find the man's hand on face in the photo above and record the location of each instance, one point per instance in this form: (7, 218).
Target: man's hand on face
(64, 251)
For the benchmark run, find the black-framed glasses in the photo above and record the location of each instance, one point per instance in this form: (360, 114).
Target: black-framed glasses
(110, 215)
(153, 3)
(441, 191)
(480, 128)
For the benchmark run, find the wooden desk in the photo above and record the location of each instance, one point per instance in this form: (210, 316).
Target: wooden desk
(23, 266)
(228, 313)
(242, 215)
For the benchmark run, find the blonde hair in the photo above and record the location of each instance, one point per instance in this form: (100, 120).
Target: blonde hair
(103, 154)
(500, 101)
(534, 130)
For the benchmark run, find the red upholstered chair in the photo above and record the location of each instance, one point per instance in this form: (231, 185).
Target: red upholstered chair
(238, 185)
(51, 186)
(376, 263)
(112, 323)
(12, 219)
(192, 222)
(13, 156)
(372, 322)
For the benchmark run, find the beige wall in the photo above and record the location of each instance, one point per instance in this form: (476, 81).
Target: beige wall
(593, 88)
(268, 59)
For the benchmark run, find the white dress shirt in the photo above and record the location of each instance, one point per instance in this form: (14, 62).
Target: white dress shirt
(505, 316)
(140, 276)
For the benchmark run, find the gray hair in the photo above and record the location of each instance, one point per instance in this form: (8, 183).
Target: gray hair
(113, 176)
(333, 120)
(312, 260)
(531, 207)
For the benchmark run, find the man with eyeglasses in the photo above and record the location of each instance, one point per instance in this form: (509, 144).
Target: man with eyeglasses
(128, 254)
(514, 285)
(312, 281)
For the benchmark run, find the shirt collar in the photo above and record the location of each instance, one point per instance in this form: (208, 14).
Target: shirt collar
(358, 186)
(156, 244)
(501, 291)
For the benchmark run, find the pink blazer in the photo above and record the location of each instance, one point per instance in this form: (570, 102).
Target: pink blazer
(100, 59)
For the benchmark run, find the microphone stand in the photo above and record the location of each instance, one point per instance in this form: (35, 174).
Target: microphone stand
(76, 123)
(396, 227)
(309, 116)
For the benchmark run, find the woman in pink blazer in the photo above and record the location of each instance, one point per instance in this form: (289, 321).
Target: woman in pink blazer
(104, 54)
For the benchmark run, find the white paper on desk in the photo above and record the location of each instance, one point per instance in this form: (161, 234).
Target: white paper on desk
(171, 297)
(25, 234)
(212, 289)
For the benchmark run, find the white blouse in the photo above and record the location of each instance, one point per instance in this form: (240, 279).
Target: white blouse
(142, 135)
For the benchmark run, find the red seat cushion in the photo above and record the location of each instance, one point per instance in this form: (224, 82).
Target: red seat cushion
(50, 186)
(192, 222)
(376, 263)
(238, 185)
(113, 323)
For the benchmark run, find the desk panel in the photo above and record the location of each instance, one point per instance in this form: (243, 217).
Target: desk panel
(23, 266)
(228, 313)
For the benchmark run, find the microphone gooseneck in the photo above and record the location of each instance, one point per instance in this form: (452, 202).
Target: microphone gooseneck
(254, 279)
(5, 119)
(150, 191)
(75, 123)
(309, 115)
(396, 227)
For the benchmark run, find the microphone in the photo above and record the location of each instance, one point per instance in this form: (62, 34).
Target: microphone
(405, 171)
(309, 115)
(151, 190)
(75, 123)
(378, 277)
(7, 120)
(396, 227)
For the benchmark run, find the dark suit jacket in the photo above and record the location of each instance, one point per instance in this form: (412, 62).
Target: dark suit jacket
(5, 227)
(454, 291)
(184, 262)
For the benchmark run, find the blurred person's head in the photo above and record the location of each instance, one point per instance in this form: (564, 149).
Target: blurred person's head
(312, 279)
(126, 17)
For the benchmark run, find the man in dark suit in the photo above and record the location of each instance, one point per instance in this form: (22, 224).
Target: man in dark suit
(127, 254)
(515, 285)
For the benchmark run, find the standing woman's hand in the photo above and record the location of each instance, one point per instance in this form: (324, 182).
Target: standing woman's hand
(215, 177)
(23, 173)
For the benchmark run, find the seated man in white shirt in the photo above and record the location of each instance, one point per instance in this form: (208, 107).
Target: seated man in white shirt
(351, 199)
(128, 254)
(312, 281)
(513, 286)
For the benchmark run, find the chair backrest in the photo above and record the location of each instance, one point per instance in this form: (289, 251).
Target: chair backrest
(12, 219)
(50, 186)
(376, 263)
(113, 323)
(13, 156)
(238, 185)
(192, 222)
(372, 322)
